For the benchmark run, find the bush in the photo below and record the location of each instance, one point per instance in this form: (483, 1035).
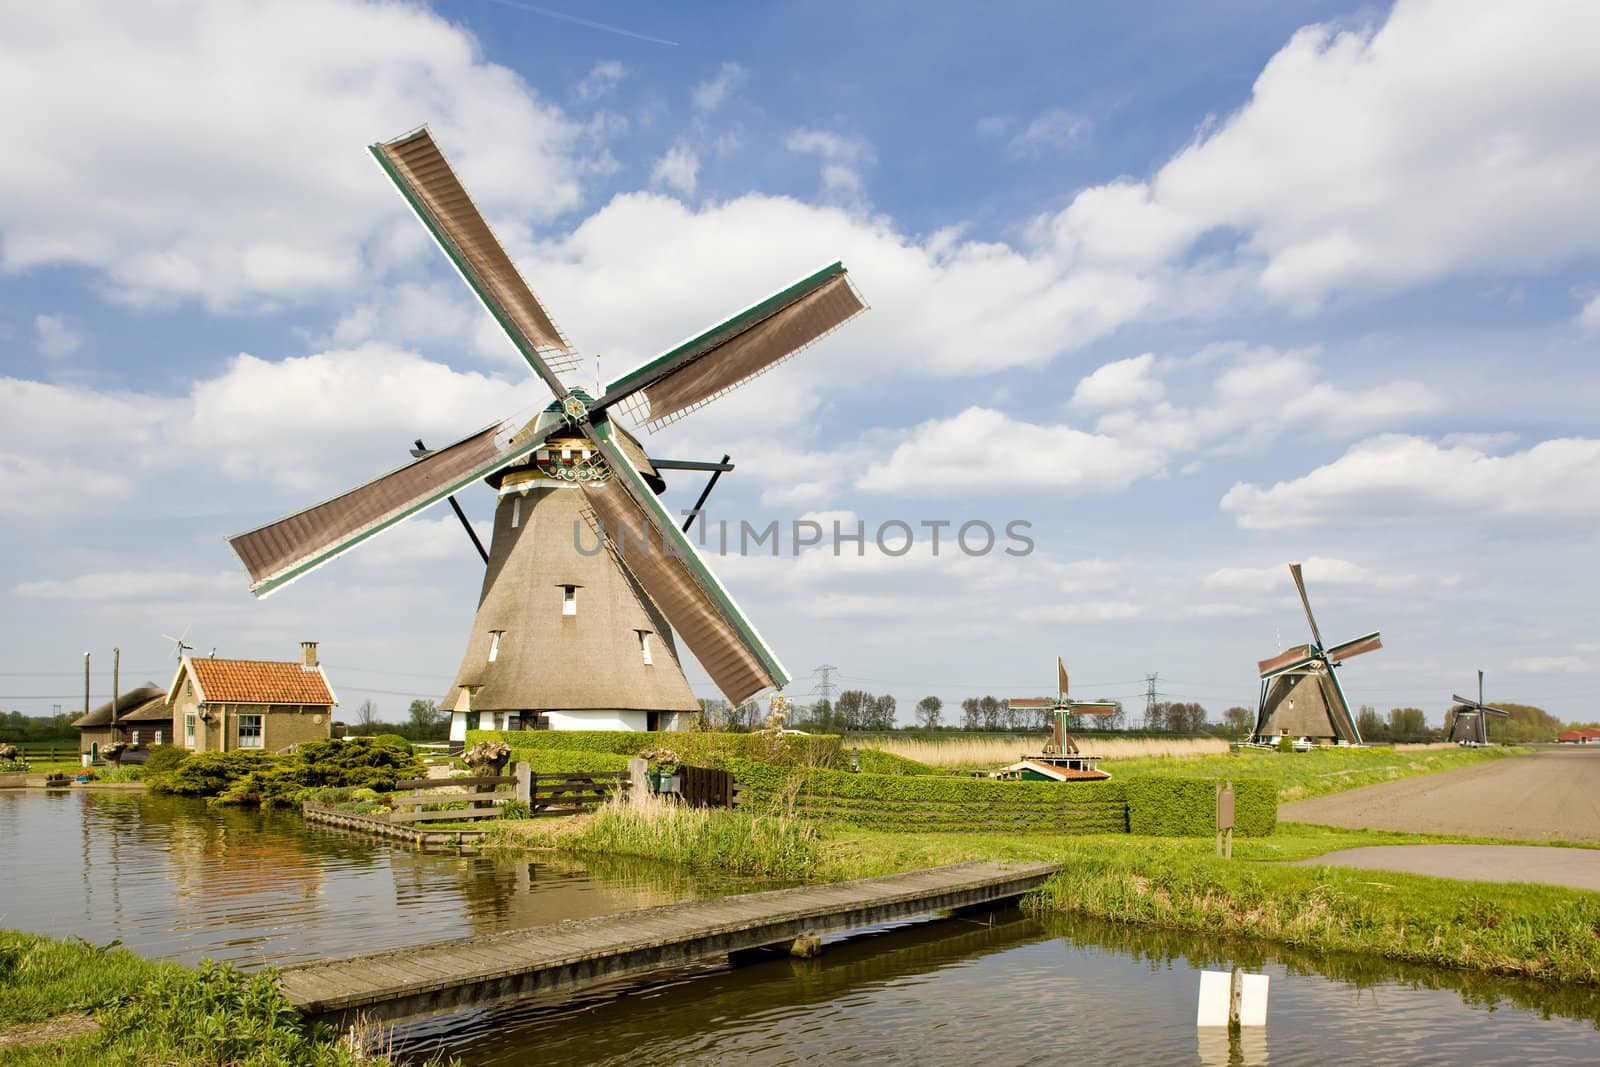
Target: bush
(873, 761)
(247, 777)
(12, 765)
(208, 774)
(516, 809)
(698, 749)
(1187, 807)
(1285, 744)
(165, 758)
(393, 741)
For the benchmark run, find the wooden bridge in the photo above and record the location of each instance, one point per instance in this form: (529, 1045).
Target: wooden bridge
(474, 971)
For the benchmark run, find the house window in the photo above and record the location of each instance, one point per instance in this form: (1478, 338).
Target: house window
(158, 737)
(188, 730)
(569, 600)
(249, 731)
(494, 644)
(644, 645)
(136, 739)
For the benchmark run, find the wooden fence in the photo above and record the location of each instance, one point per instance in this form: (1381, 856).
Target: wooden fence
(545, 795)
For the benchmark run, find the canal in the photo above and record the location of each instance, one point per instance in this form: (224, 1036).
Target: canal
(173, 879)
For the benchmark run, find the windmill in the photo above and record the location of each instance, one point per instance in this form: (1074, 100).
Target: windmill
(588, 577)
(1060, 708)
(1300, 695)
(179, 643)
(1469, 724)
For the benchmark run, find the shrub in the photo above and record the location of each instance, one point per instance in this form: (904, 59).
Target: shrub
(1285, 744)
(165, 758)
(516, 809)
(698, 749)
(247, 777)
(876, 761)
(11, 765)
(1187, 807)
(393, 741)
(208, 774)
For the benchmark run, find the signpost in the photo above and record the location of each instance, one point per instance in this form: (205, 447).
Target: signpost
(1225, 795)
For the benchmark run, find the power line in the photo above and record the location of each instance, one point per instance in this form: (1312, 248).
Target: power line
(824, 685)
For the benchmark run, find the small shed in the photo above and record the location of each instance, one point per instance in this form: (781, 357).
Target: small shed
(226, 704)
(143, 718)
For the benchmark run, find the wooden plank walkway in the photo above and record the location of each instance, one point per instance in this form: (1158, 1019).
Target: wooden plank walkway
(474, 971)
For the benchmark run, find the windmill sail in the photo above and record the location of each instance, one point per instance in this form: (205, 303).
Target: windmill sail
(673, 575)
(1061, 677)
(1359, 647)
(282, 551)
(434, 192)
(732, 352)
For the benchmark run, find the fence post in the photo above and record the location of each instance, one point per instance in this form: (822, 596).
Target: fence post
(637, 783)
(524, 788)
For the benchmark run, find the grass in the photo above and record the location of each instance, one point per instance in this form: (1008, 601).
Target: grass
(973, 754)
(146, 1012)
(1302, 775)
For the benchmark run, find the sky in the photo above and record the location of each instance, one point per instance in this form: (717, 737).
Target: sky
(1195, 291)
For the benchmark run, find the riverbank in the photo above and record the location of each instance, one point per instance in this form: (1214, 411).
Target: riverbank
(73, 1003)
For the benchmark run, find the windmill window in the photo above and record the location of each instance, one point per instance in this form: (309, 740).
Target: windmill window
(569, 600)
(494, 644)
(644, 646)
(516, 512)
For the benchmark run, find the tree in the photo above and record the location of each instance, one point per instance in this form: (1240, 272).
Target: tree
(425, 715)
(1407, 723)
(971, 714)
(1242, 720)
(991, 709)
(882, 712)
(366, 714)
(1370, 724)
(850, 713)
(821, 717)
(928, 709)
(713, 713)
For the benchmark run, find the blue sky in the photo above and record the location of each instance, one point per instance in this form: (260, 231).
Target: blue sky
(1195, 291)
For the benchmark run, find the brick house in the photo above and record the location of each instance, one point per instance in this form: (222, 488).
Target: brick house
(219, 705)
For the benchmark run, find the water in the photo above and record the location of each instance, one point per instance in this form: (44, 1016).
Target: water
(176, 880)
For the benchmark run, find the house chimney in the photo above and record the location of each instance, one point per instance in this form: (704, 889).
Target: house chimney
(308, 655)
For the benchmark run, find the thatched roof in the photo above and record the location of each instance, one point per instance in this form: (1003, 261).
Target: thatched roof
(1305, 705)
(148, 703)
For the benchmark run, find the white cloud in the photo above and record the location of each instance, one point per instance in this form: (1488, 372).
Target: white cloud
(709, 95)
(1050, 131)
(54, 337)
(1121, 383)
(1455, 137)
(1589, 317)
(842, 157)
(1396, 477)
(602, 79)
(983, 450)
(1318, 570)
(1552, 665)
(679, 169)
(277, 200)
(130, 585)
(418, 539)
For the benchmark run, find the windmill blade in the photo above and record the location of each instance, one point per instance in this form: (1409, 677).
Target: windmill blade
(431, 187)
(1290, 660)
(731, 353)
(1358, 647)
(1093, 707)
(1300, 584)
(1061, 677)
(677, 580)
(1344, 724)
(282, 551)
(1499, 712)
(1473, 705)
(1032, 702)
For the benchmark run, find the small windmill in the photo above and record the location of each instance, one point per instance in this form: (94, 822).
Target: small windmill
(180, 645)
(1062, 749)
(568, 469)
(1300, 695)
(1469, 724)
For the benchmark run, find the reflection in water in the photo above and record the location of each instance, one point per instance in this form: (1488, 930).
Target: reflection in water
(175, 879)
(1027, 990)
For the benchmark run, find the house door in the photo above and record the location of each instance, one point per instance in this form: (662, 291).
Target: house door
(472, 720)
(94, 751)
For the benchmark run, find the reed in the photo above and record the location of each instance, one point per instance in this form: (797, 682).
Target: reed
(987, 753)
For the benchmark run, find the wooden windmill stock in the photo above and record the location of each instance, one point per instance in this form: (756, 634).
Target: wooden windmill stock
(1062, 707)
(1300, 694)
(559, 628)
(1469, 722)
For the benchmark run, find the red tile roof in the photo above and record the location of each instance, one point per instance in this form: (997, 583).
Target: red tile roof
(254, 681)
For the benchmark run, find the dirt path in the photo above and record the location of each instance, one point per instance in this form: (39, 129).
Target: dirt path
(1552, 795)
(1576, 868)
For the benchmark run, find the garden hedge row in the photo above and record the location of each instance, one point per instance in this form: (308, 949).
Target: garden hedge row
(1187, 807)
(694, 747)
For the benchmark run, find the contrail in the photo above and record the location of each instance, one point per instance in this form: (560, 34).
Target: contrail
(547, 13)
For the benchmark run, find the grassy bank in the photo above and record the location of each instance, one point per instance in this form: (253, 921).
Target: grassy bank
(73, 1003)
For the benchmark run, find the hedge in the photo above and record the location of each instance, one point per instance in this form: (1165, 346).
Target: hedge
(1187, 807)
(696, 748)
(873, 761)
(932, 803)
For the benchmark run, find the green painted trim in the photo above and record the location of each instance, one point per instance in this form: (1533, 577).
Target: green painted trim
(536, 363)
(686, 550)
(1349, 717)
(261, 589)
(732, 327)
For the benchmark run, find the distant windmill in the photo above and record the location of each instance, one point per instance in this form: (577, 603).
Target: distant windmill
(1300, 696)
(179, 643)
(566, 637)
(1061, 708)
(1468, 724)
